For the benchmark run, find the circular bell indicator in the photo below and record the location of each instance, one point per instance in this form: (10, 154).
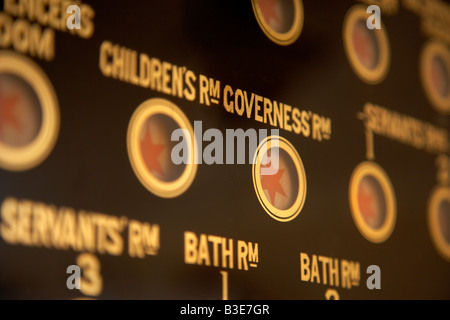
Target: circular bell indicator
(367, 49)
(281, 189)
(281, 20)
(435, 74)
(29, 113)
(150, 148)
(439, 220)
(372, 202)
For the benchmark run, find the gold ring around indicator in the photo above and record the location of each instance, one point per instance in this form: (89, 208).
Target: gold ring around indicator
(148, 109)
(370, 75)
(434, 49)
(281, 38)
(364, 170)
(442, 245)
(287, 214)
(20, 158)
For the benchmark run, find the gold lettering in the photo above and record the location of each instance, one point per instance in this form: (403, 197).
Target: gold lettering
(228, 93)
(42, 43)
(296, 126)
(227, 253)
(190, 247)
(177, 81)
(135, 248)
(113, 241)
(306, 127)
(215, 241)
(8, 226)
(41, 12)
(91, 281)
(86, 232)
(315, 270)
(150, 238)
(54, 14)
(20, 35)
(87, 25)
(144, 70)
(242, 255)
(203, 251)
(118, 62)
(324, 261)
(40, 235)
(5, 30)
(10, 7)
(106, 50)
(345, 276)
(100, 221)
(268, 111)
(249, 105)
(287, 111)
(68, 229)
(134, 79)
(155, 74)
(253, 252)
(334, 272)
(189, 91)
(204, 90)
(305, 273)
(166, 68)
(239, 107)
(278, 114)
(24, 223)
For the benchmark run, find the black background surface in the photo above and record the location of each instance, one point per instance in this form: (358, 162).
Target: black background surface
(89, 167)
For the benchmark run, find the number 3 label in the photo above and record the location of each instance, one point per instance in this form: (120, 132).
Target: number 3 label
(91, 280)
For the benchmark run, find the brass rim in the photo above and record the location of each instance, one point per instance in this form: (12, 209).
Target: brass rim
(376, 235)
(160, 188)
(34, 153)
(439, 241)
(285, 38)
(369, 76)
(430, 50)
(293, 211)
